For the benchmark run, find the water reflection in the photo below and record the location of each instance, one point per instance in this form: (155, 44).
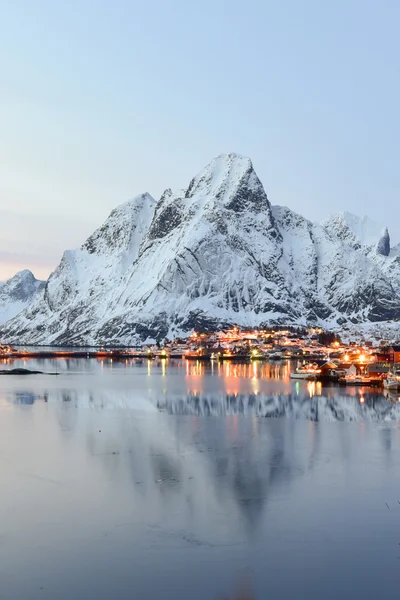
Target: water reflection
(244, 588)
(231, 374)
(133, 493)
(194, 387)
(27, 398)
(329, 405)
(218, 477)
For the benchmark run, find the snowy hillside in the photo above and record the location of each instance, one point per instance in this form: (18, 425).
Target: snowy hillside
(212, 255)
(17, 293)
(359, 232)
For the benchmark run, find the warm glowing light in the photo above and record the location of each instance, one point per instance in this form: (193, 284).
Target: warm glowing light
(311, 388)
(255, 367)
(362, 400)
(346, 357)
(362, 357)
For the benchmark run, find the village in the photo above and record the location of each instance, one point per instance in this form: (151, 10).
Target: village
(314, 354)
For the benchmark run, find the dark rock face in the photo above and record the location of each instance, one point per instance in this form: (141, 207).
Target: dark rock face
(166, 221)
(249, 195)
(114, 329)
(383, 246)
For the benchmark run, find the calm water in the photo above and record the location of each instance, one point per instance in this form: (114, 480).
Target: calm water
(166, 480)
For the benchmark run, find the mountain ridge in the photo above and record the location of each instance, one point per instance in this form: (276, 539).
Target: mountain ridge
(212, 255)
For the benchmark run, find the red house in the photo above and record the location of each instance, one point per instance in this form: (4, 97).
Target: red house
(381, 356)
(394, 354)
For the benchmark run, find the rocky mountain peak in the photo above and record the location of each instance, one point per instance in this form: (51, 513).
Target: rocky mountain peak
(231, 180)
(21, 285)
(17, 293)
(383, 246)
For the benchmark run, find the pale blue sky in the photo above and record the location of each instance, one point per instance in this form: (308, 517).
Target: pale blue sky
(102, 100)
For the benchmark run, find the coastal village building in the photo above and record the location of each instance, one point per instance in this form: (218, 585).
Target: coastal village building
(382, 356)
(394, 354)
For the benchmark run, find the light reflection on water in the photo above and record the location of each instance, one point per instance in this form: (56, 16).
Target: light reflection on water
(115, 502)
(187, 387)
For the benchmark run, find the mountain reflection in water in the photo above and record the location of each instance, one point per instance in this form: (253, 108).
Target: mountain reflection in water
(337, 407)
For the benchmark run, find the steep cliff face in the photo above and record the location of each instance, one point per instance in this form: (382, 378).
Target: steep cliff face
(212, 255)
(17, 293)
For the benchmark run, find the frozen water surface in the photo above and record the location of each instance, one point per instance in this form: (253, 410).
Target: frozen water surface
(158, 481)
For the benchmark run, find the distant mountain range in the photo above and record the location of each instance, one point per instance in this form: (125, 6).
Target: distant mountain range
(212, 255)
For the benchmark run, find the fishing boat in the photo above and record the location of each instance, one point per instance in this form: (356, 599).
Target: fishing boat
(357, 380)
(305, 372)
(392, 381)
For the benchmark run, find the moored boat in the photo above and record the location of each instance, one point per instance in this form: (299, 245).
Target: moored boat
(305, 375)
(358, 380)
(392, 381)
(306, 372)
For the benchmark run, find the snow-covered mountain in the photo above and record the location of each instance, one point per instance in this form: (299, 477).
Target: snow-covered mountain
(17, 293)
(359, 232)
(212, 255)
